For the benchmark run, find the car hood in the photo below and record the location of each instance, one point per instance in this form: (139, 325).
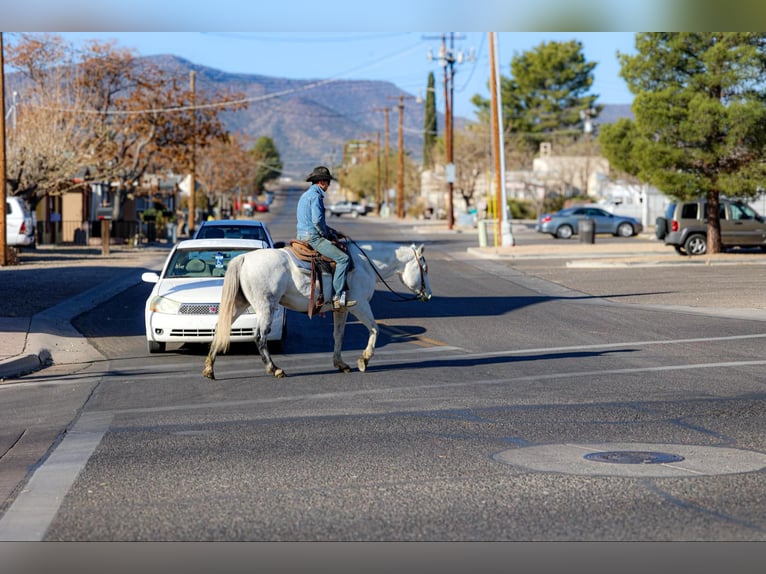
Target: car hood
(186, 291)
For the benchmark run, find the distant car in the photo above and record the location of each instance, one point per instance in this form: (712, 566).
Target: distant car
(261, 207)
(565, 222)
(19, 227)
(183, 304)
(234, 229)
(352, 208)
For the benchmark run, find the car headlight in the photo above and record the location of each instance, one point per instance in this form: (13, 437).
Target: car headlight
(164, 305)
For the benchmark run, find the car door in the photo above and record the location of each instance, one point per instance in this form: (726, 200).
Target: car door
(602, 219)
(740, 225)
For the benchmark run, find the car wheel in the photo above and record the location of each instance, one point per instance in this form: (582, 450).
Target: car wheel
(156, 347)
(564, 232)
(696, 244)
(624, 230)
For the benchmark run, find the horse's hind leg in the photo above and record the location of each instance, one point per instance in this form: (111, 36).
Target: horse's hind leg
(263, 350)
(209, 364)
(261, 332)
(222, 342)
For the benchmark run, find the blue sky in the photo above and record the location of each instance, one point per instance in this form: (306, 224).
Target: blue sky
(397, 57)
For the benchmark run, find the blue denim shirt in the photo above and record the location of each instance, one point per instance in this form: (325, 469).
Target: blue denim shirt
(311, 215)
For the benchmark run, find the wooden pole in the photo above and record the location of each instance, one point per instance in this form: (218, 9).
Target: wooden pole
(3, 223)
(192, 183)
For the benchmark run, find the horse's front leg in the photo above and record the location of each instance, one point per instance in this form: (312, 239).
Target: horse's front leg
(363, 312)
(339, 326)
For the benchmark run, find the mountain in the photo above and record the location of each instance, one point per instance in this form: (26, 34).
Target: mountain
(612, 112)
(310, 120)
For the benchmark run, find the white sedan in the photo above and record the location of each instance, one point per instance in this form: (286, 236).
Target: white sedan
(183, 305)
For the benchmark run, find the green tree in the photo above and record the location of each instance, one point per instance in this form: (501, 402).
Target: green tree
(700, 119)
(544, 98)
(429, 123)
(268, 165)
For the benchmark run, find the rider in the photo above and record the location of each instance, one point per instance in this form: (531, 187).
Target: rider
(313, 229)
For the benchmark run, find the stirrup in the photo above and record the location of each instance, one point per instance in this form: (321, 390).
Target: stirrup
(340, 302)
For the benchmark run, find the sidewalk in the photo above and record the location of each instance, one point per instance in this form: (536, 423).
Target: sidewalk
(52, 285)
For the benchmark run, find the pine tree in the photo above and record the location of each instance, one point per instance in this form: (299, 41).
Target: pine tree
(700, 118)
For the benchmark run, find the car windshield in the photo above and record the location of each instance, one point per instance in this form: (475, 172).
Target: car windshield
(232, 232)
(201, 262)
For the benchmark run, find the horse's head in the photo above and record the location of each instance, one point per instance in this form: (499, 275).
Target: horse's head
(415, 274)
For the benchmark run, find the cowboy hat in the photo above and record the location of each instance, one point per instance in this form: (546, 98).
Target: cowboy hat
(320, 173)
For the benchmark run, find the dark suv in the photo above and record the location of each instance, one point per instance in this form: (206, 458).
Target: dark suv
(685, 226)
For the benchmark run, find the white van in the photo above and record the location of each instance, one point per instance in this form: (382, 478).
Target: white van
(19, 228)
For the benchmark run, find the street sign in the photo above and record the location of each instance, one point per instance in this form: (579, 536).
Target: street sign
(449, 173)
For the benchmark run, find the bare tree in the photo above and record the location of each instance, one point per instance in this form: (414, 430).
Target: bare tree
(103, 111)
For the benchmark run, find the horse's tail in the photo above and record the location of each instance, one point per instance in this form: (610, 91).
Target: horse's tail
(220, 343)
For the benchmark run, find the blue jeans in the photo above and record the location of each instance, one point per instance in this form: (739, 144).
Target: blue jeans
(328, 249)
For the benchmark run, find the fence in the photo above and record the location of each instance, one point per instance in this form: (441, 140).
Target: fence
(81, 232)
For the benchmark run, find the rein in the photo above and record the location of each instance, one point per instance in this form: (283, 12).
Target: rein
(402, 298)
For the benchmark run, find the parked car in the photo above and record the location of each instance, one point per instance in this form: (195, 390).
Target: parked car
(565, 222)
(235, 229)
(352, 208)
(19, 226)
(183, 304)
(684, 226)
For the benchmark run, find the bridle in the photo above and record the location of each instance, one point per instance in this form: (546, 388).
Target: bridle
(423, 268)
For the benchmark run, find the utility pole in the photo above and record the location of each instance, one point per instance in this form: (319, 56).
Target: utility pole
(447, 59)
(385, 159)
(586, 116)
(503, 229)
(377, 172)
(3, 222)
(400, 181)
(192, 183)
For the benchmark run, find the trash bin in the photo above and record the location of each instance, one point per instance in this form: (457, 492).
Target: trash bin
(482, 228)
(587, 230)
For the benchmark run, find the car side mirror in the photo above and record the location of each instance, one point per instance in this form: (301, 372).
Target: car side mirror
(279, 244)
(150, 277)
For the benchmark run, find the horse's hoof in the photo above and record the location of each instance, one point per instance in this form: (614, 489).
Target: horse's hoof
(208, 374)
(362, 364)
(344, 368)
(280, 374)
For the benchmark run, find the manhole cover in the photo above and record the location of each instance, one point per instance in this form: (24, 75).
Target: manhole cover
(633, 457)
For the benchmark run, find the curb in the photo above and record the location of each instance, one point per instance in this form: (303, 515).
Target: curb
(52, 340)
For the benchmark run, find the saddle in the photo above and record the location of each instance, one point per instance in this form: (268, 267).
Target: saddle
(317, 264)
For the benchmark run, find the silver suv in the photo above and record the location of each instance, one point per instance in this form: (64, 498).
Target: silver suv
(685, 226)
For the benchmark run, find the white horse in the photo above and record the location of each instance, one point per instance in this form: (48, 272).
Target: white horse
(267, 277)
